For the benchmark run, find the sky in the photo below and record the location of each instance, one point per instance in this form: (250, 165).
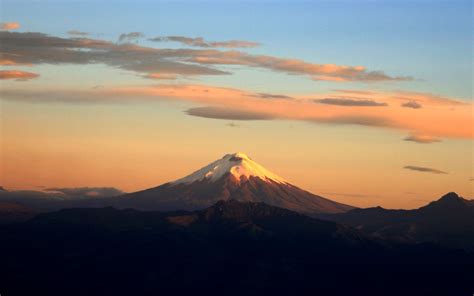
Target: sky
(365, 102)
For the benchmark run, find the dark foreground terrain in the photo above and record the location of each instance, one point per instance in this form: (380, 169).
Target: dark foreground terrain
(231, 248)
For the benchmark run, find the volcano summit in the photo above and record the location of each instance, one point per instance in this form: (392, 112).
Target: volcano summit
(234, 176)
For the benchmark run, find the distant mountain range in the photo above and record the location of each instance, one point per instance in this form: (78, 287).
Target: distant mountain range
(448, 221)
(230, 228)
(230, 248)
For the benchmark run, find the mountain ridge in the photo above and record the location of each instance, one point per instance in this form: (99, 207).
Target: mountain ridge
(448, 221)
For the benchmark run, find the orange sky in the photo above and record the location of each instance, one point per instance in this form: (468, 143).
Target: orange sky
(133, 109)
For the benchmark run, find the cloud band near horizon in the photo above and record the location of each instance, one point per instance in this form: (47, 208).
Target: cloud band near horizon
(234, 104)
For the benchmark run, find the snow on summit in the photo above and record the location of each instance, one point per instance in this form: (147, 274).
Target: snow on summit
(237, 164)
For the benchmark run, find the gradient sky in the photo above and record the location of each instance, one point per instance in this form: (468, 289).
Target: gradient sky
(365, 102)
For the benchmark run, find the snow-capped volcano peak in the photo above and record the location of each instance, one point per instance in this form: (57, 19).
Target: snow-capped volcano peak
(237, 164)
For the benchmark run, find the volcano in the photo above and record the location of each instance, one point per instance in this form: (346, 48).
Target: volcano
(233, 177)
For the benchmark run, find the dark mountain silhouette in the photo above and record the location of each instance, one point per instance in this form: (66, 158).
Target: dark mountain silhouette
(233, 177)
(231, 248)
(448, 221)
(11, 212)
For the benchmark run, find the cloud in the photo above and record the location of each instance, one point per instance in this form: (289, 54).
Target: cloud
(87, 191)
(331, 72)
(200, 42)
(9, 26)
(422, 139)
(18, 75)
(271, 96)
(5, 62)
(431, 99)
(161, 76)
(226, 113)
(232, 124)
(412, 104)
(363, 120)
(130, 37)
(237, 104)
(38, 48)
(77, 33)
(424, 169)
(350, 102)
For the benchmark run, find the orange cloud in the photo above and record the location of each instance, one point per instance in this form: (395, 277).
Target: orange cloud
(9, 26)
(422, 139)
(18, 75)
(328, 72)
(440, 117)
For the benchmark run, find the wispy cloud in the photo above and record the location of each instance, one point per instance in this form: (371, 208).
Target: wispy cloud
(236, 104)
(331, 72)
(422, 139)
(412, 104)
(226, 113)
(271, 96)
(200, 42)
(38, 48)
(232, 124)
(130, 37)
(86, 191)
(350, 102)
(161, 76)
(424, 169)
(9, 26)
(77, 33)
(17, 75)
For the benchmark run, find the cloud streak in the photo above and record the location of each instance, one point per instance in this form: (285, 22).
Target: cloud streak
(9, 26)
(161, 76)
(424, 170)
(226, 113)
(17, 75)
(200, 42)
(350, 102)
(271, 96)
(236, 104)
(38, 48)
(86, 191)
(130, 37)
(412, 104)
(77, 33)
(422, 139)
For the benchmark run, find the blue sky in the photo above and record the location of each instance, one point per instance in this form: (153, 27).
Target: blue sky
(428, 40)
